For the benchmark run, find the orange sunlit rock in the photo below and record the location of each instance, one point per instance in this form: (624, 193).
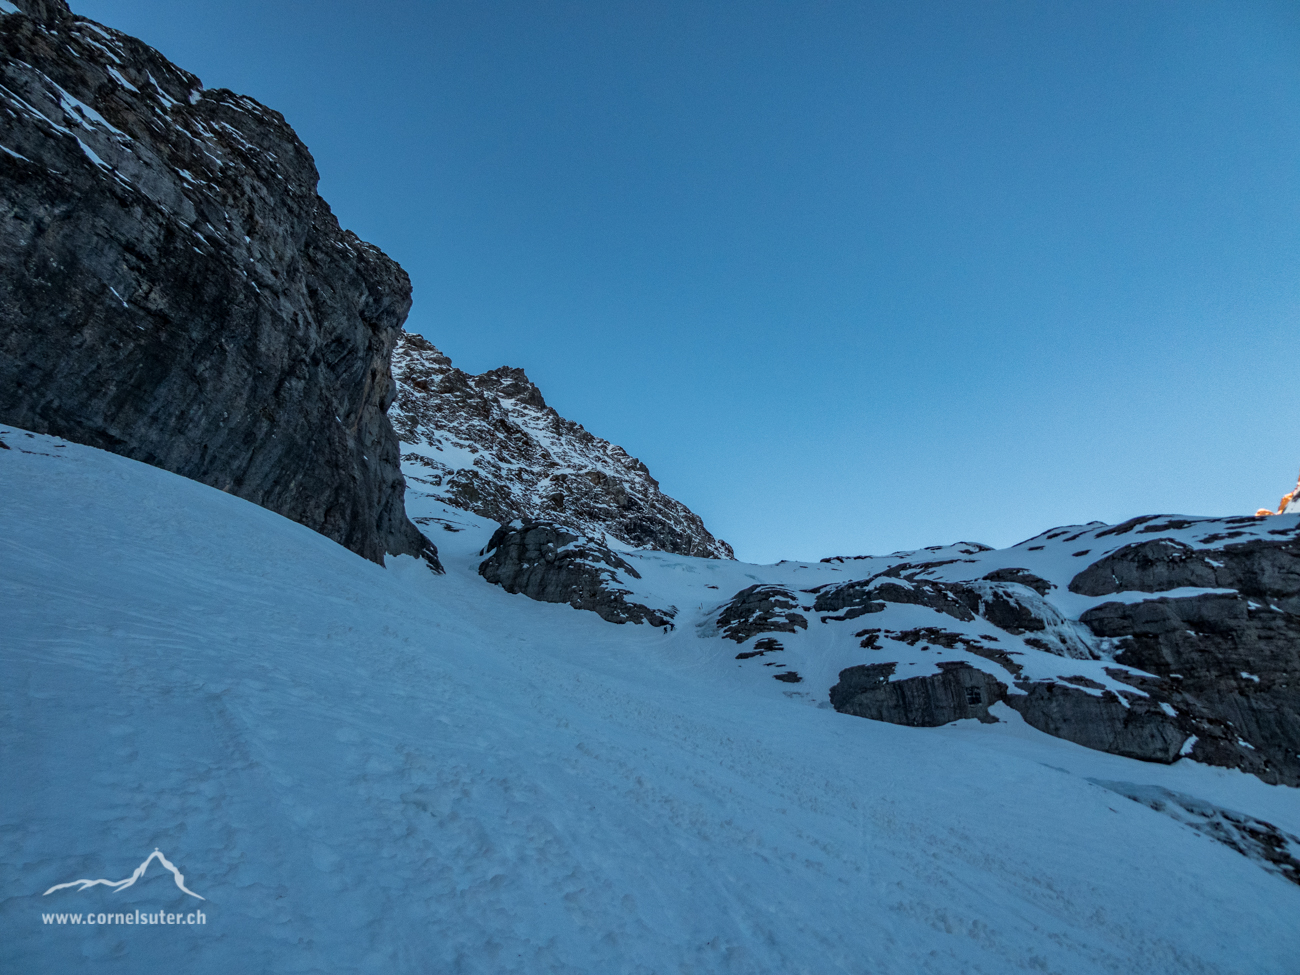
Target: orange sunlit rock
(1287, 499)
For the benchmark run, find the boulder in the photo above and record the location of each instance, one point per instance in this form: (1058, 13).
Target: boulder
(548, 562)
(957, 691)
(760, 609)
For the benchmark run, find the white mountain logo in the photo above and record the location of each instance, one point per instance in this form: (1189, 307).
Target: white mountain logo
(139, 872)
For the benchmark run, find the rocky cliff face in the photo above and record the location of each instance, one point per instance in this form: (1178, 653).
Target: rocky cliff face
(489, 444)
(1203, 633)
(1227, 661)
(173, 289)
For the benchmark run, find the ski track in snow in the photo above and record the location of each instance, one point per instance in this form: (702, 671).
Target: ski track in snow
(382, 770)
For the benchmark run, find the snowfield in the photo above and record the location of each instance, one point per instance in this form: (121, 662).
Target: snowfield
(382, 770)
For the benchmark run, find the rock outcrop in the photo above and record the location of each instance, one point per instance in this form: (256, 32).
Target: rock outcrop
(1137, 727)
(1227, 662)
(1264, 570)
(854, 599)
(1228, 666)
(549, 563)
(1009, 605)
(489, 444)
(957, 691)
(173, 289)
(1204, 667)
(760, 609)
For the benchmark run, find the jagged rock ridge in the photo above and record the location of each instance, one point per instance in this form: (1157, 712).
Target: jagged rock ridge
(173, 289)
(489, 444)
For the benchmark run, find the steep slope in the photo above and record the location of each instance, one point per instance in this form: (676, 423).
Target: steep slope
(173, 289)
(1160, 638)
(489, 444)
(379, 771)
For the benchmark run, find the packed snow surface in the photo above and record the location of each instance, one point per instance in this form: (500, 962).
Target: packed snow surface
(382, 770)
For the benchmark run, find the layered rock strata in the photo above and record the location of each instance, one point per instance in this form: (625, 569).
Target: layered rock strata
(1228, 662)
(173, 289)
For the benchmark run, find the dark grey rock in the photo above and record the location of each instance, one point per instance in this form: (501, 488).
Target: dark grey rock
(850, 600)
(552, 564)
(1022, 577)
(173, 289)
(935, 636)
(1213, 676)
(760, 609)
(1007, 613)
(854, 599)
(1228, 664)
(964, 548)
(1259, 569)
(761, 647)
(957, 691)
(1010, 606)
(1140, 729)
(1017, 609)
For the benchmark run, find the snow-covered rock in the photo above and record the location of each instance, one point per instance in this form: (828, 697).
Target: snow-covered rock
(546, 562)
(1182, 643)
(489, 444)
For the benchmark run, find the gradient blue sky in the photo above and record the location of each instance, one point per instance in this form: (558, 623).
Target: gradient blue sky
(849, 277)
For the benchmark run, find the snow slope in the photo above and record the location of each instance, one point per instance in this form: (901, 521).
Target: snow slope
(383, 770)
(1011, 614)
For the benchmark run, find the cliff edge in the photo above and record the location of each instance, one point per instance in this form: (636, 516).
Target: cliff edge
(173, 289)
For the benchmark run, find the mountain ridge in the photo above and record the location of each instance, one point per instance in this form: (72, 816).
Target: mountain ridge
(491, 445)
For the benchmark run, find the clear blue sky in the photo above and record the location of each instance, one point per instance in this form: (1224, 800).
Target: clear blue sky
(849, 277)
